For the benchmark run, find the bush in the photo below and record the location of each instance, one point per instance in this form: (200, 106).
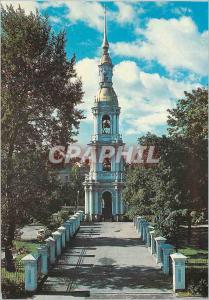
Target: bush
(12, 290)
(198, 217)
(197, 281)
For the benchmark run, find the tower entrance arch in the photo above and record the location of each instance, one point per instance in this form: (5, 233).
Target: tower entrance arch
(107, 205)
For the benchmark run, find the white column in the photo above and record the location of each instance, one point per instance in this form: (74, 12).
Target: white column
(117, 120)
(86, 200)
(96, 203)
(116, 202)
(90, 202)
(95, 124)
(121, 204)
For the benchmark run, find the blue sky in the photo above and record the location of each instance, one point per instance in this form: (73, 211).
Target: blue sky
(159, 49)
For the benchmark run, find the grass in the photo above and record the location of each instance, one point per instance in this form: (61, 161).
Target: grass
(197, 258)
(197, 250)
(18, 275)
(31, 247)
(184, 294)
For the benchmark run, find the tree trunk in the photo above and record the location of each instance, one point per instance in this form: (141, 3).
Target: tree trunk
(189, 229)
(10, 218)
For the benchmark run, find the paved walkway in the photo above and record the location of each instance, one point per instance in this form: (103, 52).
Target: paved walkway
(106, 258)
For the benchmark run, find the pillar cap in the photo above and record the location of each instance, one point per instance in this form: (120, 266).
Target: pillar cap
(56, 233)
(160, 238)
(68, 221)
(42, 249)
(29, 258)
(178, 256)
(50, 240)
(62, 228)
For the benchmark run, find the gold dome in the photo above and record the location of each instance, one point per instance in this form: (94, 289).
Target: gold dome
(106, 94)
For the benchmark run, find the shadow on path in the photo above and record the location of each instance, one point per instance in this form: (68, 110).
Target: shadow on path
(96, 262)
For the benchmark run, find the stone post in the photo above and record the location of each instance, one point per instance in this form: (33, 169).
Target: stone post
(43, 252)
(152, 240)
(141, 227)
(134, 221)
(52, 252)
(149, 228)
(57, 236)
(144, 231)
(81, 215)
(31, 273)
(167, 249)
(159, 241)
(78, 217)
(74, 224)
(178, 261)
(67, 226)
(71, 228)
(62, 230)
(138, 224)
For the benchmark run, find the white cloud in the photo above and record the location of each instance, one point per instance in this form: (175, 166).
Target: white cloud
(55, 20)
(87, 69)
(92, 12)
(174, 43)
(127, 13)
(28, 5)
(144, 97)
(180, 11)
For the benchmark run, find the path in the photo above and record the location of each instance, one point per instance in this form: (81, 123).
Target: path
(107, 258)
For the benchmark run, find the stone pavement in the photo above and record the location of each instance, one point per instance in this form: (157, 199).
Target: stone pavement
(107, 259)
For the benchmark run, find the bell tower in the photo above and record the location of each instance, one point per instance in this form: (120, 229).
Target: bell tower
(104, 183)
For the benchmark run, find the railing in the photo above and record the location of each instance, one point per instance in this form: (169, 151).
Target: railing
(112, 137)
(102, 175)
(17, 276)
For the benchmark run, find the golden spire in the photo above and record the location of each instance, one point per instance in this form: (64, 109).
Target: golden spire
(105, 45)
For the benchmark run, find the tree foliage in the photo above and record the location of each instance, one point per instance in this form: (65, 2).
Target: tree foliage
(177, 185)
(40, 94)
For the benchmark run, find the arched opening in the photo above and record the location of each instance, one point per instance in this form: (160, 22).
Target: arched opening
(107, 205)
(106, 128)
(106, 166)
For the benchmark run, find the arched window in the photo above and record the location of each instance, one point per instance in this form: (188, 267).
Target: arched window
(106, 164)
(106, 125)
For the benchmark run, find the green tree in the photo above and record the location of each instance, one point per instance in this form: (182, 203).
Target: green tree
(72, 193)
(188, 122)
(40, 94)
(177, 185)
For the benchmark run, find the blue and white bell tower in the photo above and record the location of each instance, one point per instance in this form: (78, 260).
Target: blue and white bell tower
(104, 183)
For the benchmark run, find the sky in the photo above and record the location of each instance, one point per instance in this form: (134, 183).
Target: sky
(159, 50)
